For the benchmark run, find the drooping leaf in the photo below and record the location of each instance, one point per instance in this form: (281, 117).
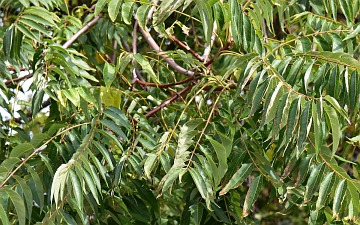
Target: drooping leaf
(21, 149)
(99, 6)
(77, 189)
(252, 195)
(335, 127)
(114, 9)
(206, 16)
(325, 189)
(339, 197)
(314, 181)
(238, 177)
(18, 204)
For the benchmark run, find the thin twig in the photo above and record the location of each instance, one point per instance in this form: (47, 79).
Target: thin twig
(136, 73)
(187, 48)
(9, 82)
(264, 30)
(168, 101)
(150, 40)
(66, 45)
(207, 50)
(113, 57)
(125, 44)
(13, 69)
(81, 31)
(211, 61)
(165, 85)
(134, 37)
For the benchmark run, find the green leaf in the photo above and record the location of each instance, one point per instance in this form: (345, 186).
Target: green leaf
(339, 197)
(105, 153)
(86, 94)
(118, 116)
(100, 167)
(305, 44)
(236, 22)
(347, 10)
(77, 189)
(335, 127)
(292, 119)
(186, 135)
(165, 9)
(316, 115)
(316, 217)
(313, 181)
(258, 96)
(112, 126)
(337, 107)
(35, 26)
(111, 137)
(252, 195)
(304, 123)
(337, 45)
(150, 163)
(336, 57)
(353, 34)
(72, 95)
(294, 71)
(21, 149)
(37, 102)
(222, 158)
(109, 74)
(141, 15)
(27, 32)
(304, 169)
(25, 3)
(39, 139)
(147, 195)
(4, 215)
(91, 184)
(100, 4)
(281, 109)
(206, 18)
(196, 211)
(144, 63)
(43, 13)
(18, 204)
(69, 220)
(240, 175)
(114, 9)
(354, 92)
(127, 11)
(26, 193)
(273, 102)
(325, 189)
(199, 182)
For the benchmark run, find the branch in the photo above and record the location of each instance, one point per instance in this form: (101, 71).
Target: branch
(13, 69)
(211, 61)
(81, 31)
(208, 47)
(113, 57)
(9, 82)
(167, 102)
(187, 48)
(165, 85)
(150, 40)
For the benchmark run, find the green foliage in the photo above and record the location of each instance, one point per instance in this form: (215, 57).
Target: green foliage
(180, 112)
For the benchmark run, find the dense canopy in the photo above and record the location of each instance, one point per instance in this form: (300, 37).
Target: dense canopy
(179, 112)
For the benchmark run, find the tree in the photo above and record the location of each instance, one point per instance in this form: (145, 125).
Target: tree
(180, 112)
